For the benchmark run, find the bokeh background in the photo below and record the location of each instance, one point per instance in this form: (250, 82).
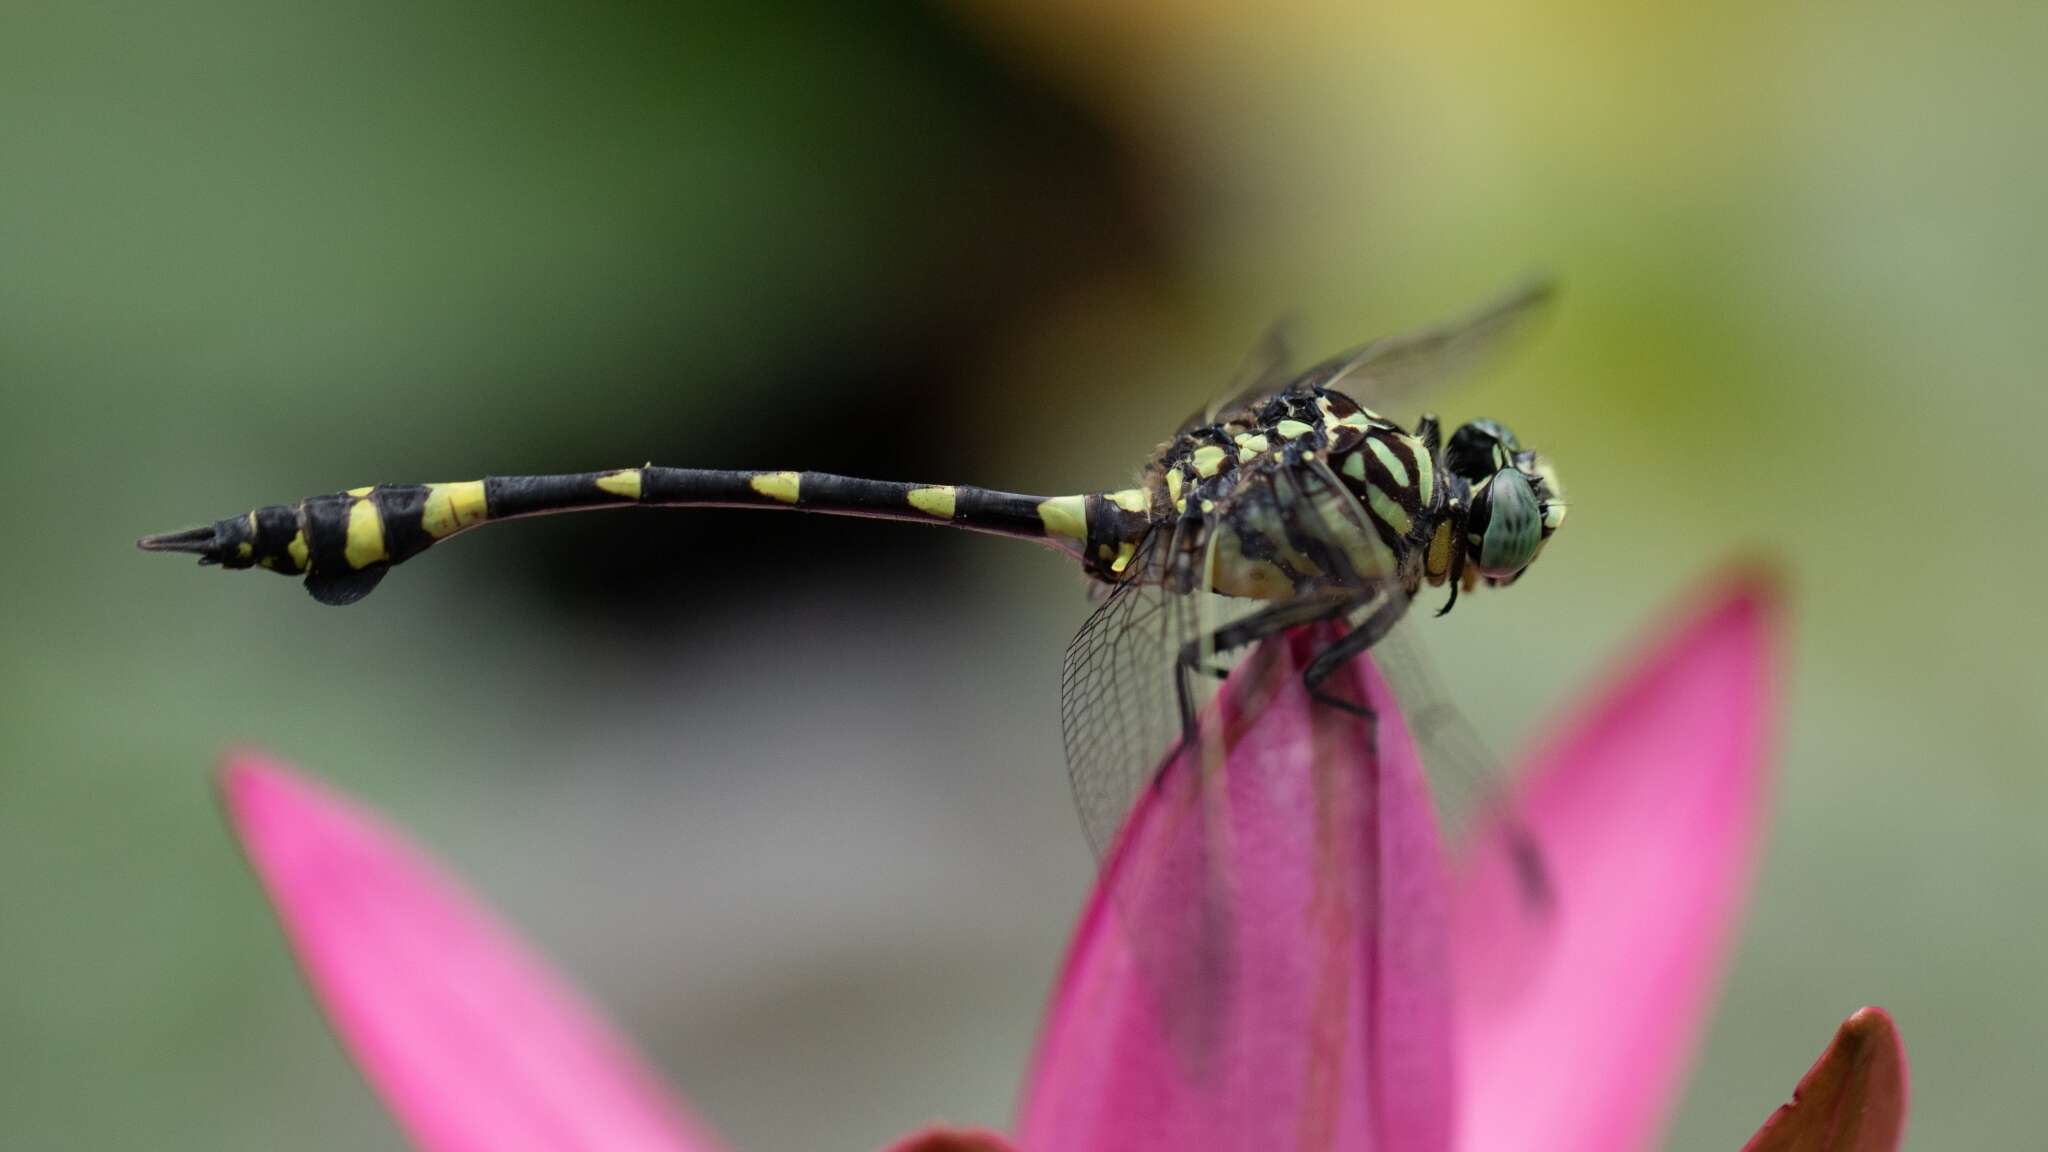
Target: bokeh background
(785, 795)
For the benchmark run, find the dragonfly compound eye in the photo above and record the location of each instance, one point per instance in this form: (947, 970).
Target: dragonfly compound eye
(1479, 449)
(1505, 528)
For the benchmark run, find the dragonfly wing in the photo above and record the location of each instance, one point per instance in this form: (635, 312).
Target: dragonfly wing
(1139, 719)
(1265, 371)
(1468, 780)
(1116, 712)
(1394, 372)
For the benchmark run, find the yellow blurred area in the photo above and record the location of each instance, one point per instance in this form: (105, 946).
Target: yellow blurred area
(787, 797)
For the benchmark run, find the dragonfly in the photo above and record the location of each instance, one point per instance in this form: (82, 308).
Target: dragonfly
(1289, 503)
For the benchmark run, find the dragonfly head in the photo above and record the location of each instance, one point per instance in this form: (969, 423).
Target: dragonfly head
(1516, 501)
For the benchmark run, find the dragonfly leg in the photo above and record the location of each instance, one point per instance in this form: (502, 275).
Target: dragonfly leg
(1269, 621)
(1431, 432)
(1362, 636)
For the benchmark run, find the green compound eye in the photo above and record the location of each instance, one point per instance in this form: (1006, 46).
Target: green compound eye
(1479, 449)
(1508, 520)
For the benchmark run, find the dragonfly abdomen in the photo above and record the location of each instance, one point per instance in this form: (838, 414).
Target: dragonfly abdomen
(343, 543)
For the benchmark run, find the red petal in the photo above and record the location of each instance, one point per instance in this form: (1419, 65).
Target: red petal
(953, 1140)
(1263, 964)
(1576, 1023)
(472, 1042)
(1853, 1099)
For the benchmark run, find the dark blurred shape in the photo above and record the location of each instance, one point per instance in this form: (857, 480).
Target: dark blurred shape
(1033, 197)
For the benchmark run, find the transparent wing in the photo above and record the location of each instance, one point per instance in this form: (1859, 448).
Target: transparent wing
(1468, 780)
(1138, 716)
(1393, 372)
(1237, 815)
(1116, 697)
(1451, 747)
(1124, 701)
(1266, 371)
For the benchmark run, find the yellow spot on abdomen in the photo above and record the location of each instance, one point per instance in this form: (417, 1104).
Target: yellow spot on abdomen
(625, 482)
(452, 507)
(359, 493)
(298, 550)
(777, 485)
(365, 535)
(937, 502)
(1066, 516)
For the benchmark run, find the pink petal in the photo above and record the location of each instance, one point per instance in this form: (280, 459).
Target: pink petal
(953, 1140)
(1853, 1099)
(474, 1045)
(1575, 1026)
(1263, 963)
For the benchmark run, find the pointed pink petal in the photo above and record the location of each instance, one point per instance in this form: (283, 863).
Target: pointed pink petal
(473, 1044)
(1853, 1099)
(953, 1140)
(1575, 1026)
(1263, 964)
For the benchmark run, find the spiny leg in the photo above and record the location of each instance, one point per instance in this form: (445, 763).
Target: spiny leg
(1179, 577)
(1363, 635)
(1457, 574)
(1430, 431)
(1269, 621)
(1525, 854)
(1388, 602)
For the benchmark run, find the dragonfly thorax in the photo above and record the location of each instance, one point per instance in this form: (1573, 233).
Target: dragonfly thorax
(1310, 493)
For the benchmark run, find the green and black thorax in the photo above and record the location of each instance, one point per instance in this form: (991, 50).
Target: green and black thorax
(1309, 493)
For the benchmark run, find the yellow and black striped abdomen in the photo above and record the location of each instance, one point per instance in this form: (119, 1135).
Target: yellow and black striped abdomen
(343, 543)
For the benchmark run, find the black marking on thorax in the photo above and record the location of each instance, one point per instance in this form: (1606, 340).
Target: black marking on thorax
(1250, 472)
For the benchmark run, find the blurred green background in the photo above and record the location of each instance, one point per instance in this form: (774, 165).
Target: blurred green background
(785, 795)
